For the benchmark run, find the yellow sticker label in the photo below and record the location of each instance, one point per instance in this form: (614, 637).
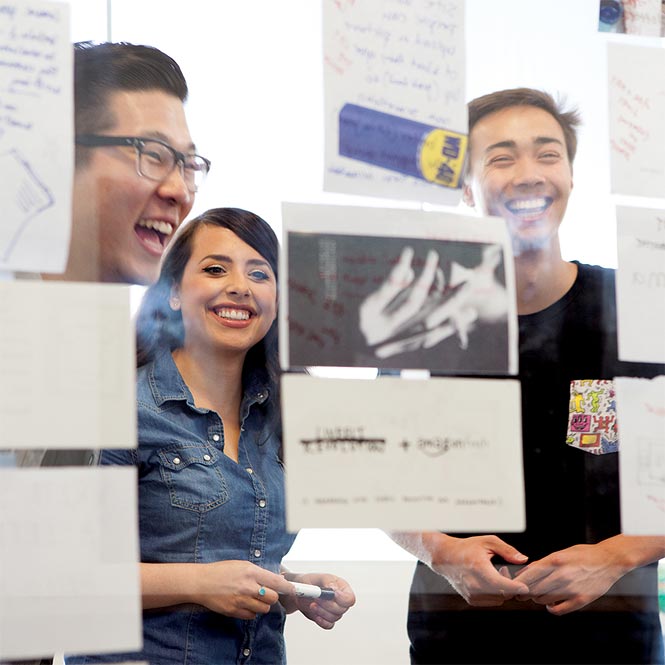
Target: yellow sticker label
(442, 157)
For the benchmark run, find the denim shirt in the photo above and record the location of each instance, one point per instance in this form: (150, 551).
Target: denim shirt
(196, 505)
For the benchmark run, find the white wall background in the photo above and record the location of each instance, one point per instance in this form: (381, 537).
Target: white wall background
(255, 75)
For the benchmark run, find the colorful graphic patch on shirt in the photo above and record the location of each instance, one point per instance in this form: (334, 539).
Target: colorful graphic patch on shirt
(592, 418)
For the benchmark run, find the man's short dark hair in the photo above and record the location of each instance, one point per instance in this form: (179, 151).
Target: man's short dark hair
(568, 119)
(104, 68)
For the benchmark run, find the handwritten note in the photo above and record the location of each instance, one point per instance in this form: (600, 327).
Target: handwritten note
(637, 107)
(641, 417)
(395, 114)
(36, 135)
(643, 17)
(641, 284)
(67, 366)
(68, 561)
(374, 287)
(403, 454)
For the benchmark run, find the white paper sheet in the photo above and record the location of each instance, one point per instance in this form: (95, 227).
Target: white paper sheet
(643, 17)
(641, 284)
(636, 91)
(67, 359)
(398, 289)
(395, 113)
(403, 454)
(36, 135)
(641, 421)
(69, 576)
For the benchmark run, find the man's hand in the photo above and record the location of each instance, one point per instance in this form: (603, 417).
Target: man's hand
(570, 579)
(396, 304)
(466, 564)
(407, 314)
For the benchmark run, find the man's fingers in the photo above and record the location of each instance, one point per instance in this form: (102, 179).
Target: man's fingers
(399, 278)
(433, 337)
(448, 309)
(420, 291)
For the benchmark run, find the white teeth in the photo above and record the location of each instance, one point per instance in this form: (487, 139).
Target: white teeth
(235, 314)
(529, 204)
(157, 225)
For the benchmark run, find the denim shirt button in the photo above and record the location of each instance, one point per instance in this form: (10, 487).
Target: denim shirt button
(215, 437)
(250, 470)
(257, 553)
(206, 457)
(262, 503)
(176, 460)
(246, 652)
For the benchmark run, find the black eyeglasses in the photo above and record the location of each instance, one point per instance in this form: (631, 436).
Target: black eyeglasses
(154, 158)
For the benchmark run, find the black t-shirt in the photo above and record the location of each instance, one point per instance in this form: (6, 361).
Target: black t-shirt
(572, 495)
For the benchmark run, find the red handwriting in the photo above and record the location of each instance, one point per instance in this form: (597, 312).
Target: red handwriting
(323, 337)
(659, 503)
(626, 151)
(361, 259)
(656, 410)
(342, 5)
(337, 308)
(303, 289)
(639, 129)
(340, 65)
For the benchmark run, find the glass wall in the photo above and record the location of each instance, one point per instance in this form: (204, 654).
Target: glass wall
(255, 110)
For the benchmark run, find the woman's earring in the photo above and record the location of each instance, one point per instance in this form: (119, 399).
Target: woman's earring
(174, 303)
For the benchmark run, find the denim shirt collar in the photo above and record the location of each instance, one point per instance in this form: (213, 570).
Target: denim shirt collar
(166, 384)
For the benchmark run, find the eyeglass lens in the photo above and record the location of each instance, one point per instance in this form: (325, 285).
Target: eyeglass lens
(156, 161)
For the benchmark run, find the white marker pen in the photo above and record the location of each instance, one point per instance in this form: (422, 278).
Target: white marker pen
(312, 591)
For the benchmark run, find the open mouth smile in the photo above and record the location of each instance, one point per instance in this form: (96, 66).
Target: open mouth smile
(154, 234)
(233, 314)
(530, 208)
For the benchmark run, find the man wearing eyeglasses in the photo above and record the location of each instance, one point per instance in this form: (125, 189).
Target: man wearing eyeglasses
(135, 178)
(136, 175)
(137, 170)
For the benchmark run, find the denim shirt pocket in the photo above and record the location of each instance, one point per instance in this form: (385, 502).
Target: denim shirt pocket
(193, 476)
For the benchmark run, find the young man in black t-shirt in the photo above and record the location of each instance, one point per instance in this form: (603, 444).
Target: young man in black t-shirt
(571, 588)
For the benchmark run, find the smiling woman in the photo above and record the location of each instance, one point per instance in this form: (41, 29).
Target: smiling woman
(212, 519)
(227, 296)
(213, 264)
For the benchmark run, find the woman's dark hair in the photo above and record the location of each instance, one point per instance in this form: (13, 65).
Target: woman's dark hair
(158, 327)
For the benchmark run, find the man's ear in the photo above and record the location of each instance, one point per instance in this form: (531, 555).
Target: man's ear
(467, 196)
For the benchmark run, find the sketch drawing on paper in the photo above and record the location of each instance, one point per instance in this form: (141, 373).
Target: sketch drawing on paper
(24, 197)
(391, 302)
